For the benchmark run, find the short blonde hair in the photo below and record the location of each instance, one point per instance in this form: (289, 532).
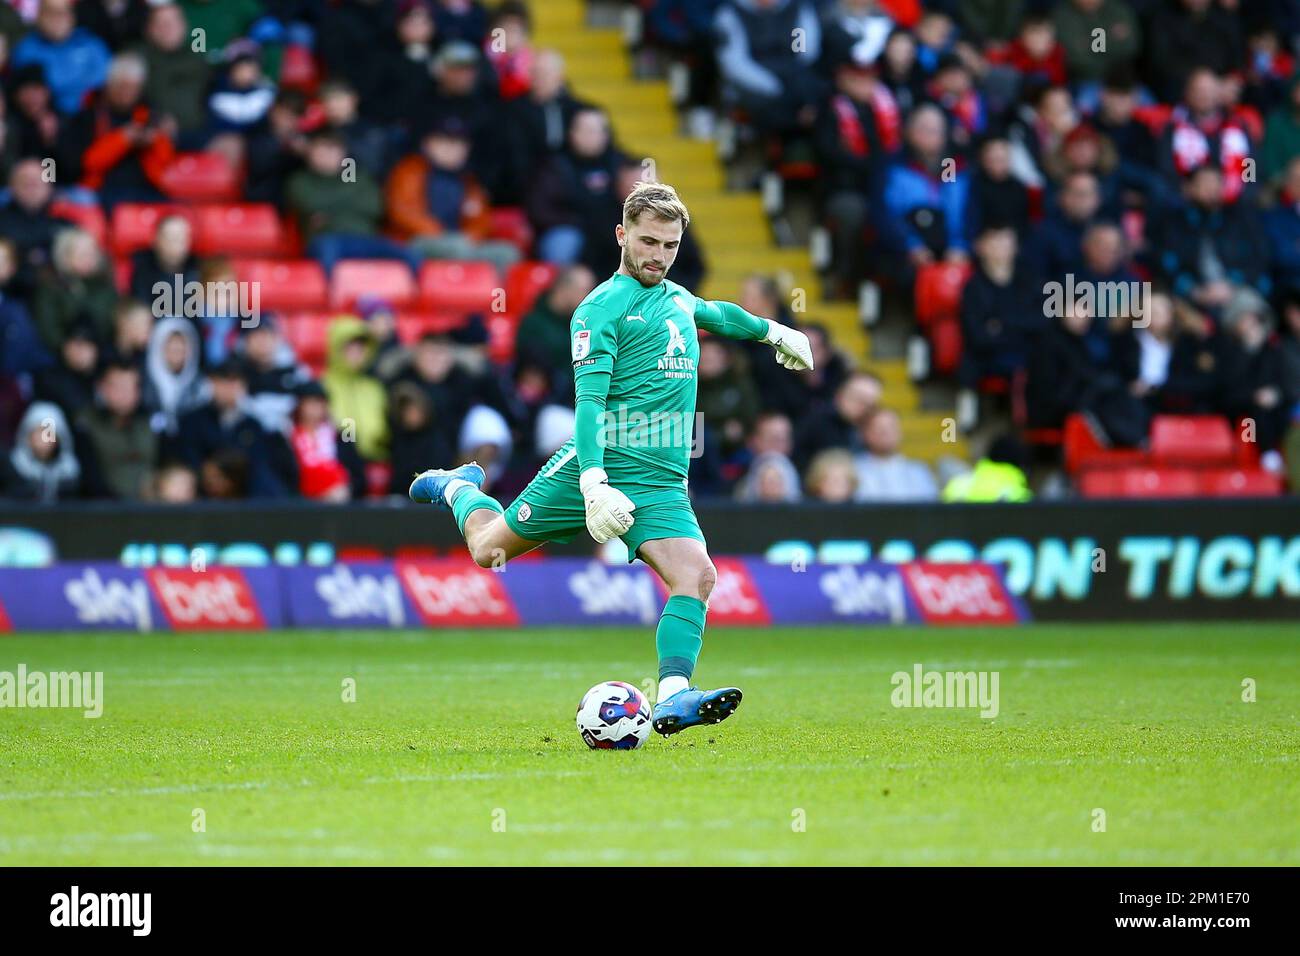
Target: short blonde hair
(659, 200)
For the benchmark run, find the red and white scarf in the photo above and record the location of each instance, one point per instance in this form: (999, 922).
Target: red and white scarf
(1192, 147)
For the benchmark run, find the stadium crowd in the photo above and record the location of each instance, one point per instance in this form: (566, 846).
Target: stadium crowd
(982, 133)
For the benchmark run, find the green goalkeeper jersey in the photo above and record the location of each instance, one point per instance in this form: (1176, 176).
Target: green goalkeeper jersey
(635, 351)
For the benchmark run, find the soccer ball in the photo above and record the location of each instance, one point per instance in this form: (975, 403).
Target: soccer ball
(614, 716)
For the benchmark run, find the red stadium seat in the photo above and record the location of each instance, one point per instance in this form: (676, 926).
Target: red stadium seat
(202, 177)
(298, 70)
(945, 341)
(1192, 440)
(1140, 483)
(134, 224)
(89, 217)
(354, 278)
(1084, 450)
(501, 330)
(308, 334)
(511, 224)
(1240, 483)
(122, 270)
(238, 229)
(287, 284)
(462, 286)
(525, 282)
(938, 291)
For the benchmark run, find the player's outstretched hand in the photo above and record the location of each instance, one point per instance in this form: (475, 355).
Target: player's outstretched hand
(792, 348)
(609, 511)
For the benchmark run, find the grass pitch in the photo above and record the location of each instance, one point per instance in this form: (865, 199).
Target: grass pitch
(460, 749)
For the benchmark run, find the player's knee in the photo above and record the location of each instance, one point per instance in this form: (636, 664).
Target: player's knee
(705, 578)
(488, 556)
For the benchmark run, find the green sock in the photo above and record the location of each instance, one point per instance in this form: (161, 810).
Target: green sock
(469, 500)
(680, 636)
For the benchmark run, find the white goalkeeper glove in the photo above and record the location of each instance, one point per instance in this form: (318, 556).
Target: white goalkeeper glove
(792, 348)
(609, 511)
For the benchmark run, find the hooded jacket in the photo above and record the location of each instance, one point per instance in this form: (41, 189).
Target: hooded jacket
(28, 477)
(355, 396)
(168, 394)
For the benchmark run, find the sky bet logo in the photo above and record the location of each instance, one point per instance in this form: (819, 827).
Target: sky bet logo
(134, 910)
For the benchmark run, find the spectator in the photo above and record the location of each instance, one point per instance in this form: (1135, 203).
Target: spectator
(997, 199)
(120, 450)
(485, 438)
(856, 32)
(125, 147)
(220, 322)
(1116, 120)
(1084, 150)
(1281, 135)
(449, 387)
(224, 21)
(1058, 243)
(43, 465)
(926, 194)
(21, 350)
(510, 52)
(796, 394)
(462, 89)
(1066, 377)
(1045, 116)
(329, 468)
(70, 383)
(357, 401)
(26, 220)
(178, 77)
(35, 126)
(1209, 250)
(771, 479)
(763, 72)
(832, 477)
(75, 60)
(1001, 311)
(351, 26)
(573, 188)
(1187, 35)
(273, 375)
(725, 396)
(1105, 267)
(900, 71)
(233, 455)
(540, 120)
(1252, 382)
(119, 23)
(884, 474)
(170, 259)
(1035, 52)
(462, 20)
(398, 89)
(998, 476)
(856, 132)
(390, 355)
(436, 202)
(1076, 24)
(79, 288)
(1201, 130)
(953, 90)
(986, 22)
(339, 215)
(277, 149)
(173, 386)
(175, 484)
(543, 335)
(243, 96)
(132, 328)
(838, 426)
(417, 441)
(366, 142)
(1171, 362)
(1282, 223)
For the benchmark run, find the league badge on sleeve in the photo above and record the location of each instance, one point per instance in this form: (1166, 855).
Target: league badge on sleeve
(581, 344)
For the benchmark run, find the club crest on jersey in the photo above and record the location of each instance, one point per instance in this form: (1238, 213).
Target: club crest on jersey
(675, 362)
(581, 344)
(525, 512)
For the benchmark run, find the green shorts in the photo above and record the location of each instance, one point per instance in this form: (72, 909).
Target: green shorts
(551, 507)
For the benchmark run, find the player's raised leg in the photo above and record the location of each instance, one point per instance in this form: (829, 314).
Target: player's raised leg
(684, 566)
(478, 515)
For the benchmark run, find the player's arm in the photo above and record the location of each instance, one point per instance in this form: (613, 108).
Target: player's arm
(730, 320)
(594, 337)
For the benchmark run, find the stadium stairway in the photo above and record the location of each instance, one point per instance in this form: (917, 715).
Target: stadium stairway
(732, 226)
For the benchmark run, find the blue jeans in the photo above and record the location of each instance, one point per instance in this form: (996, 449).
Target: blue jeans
(329, 248)
(561, 245)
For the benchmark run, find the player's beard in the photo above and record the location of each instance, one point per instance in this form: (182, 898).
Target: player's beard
(645, 278)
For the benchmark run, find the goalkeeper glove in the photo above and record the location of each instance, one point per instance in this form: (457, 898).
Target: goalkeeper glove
(792, 348)
(609, 511)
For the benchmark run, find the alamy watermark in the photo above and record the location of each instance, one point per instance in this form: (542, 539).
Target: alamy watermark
(622, 428)
(1106, 300)
(79, 690)
(193, 300)
(960, 689)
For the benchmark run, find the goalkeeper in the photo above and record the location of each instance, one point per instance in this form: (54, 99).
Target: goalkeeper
(624, 473)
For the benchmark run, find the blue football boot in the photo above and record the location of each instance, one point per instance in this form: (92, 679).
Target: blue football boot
(692, 706)
(428, 486)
